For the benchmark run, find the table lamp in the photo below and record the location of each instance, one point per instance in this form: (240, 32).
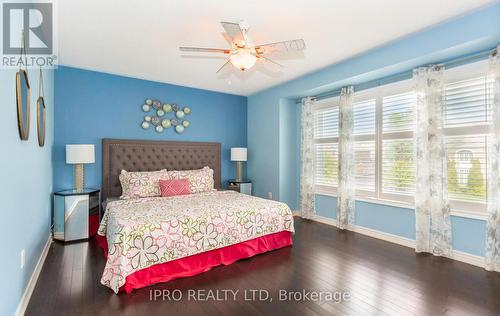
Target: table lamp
(78, 155)
(239, 155)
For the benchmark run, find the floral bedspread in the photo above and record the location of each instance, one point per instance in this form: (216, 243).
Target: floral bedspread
(144, 232)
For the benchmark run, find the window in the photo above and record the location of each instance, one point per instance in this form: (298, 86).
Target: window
(466, 117)
(327, 164)
(384, 154)
(326, 132)
(398, 166)
(364, 145)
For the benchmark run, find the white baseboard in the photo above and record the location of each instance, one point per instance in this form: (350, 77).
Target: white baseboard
(410, 243)
(23, 303)
(456, 255)
(477, 261)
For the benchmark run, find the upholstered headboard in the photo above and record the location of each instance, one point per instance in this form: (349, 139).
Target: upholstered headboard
(147, 155)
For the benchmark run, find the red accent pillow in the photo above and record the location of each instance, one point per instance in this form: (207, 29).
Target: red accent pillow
(174, 187)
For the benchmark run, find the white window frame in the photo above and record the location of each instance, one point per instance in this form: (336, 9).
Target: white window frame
(460, 208)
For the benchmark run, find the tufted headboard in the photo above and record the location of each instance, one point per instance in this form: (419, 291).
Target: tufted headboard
(147, 155)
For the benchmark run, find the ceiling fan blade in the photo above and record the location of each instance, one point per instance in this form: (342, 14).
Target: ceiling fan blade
(204, 50)
(218, 70)
(285, 46)
(272, 61)
(234, 30)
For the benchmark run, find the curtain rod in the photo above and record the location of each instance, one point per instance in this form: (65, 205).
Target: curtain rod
(403, 75)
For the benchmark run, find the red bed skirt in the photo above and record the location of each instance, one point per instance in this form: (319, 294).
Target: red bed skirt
(201, 262)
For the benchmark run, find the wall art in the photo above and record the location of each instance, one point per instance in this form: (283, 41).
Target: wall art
(162, 116)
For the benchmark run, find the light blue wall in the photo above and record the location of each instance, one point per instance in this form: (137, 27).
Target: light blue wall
(25, 186)
(92, 105)
(465, 35)
(468, 234)
(288, 148)
(263, 145)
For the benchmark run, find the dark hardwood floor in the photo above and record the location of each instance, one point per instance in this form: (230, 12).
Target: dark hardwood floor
(381, 279)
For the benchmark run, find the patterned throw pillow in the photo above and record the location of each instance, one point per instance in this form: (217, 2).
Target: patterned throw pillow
(141, 184)
(200, 180)
(174, 187)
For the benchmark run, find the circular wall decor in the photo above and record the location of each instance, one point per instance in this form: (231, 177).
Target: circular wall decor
(23, 103)
(41, 117)
(41, 113)
(157, 114)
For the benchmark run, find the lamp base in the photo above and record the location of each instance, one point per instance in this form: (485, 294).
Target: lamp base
(79, 177)
(239, 171)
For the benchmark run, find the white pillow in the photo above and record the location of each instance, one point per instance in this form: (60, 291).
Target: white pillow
(141, 184)
(200, 180)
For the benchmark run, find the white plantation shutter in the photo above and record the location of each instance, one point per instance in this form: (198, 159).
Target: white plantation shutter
(327, 164)
(326, 123)
(364, 144)
(398, 167)
(466, 115)
(326, 132)
(398, 164)
(467, 167)
(466, 103)
(364, 117)
(364, 165)
(399, 112)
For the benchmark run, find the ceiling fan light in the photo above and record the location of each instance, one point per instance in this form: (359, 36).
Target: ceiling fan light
(243, 60)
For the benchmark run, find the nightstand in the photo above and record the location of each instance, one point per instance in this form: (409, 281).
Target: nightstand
(76, 214)
(244, 186)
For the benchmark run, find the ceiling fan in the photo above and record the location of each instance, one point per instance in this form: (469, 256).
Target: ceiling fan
(242, 53)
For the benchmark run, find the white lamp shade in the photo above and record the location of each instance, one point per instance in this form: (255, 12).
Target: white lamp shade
(238, 154)
(76, 154)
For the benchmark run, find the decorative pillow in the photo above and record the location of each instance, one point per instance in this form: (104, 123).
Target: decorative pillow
(141, 184)
(200, 180)
(174, 187)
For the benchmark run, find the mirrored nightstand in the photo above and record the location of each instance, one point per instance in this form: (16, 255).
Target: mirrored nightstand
(244, 186)
(76, 214)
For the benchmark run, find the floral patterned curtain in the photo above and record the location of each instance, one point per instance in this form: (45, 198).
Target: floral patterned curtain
(346, 189)
(493, 224)
(307, 159)
(432, 210)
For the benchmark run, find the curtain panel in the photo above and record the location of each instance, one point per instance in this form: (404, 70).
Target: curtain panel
(432, 209)
(346, 189)
(492, 257)
(307, 159)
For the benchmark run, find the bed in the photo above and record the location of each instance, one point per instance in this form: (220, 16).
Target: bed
(157, 239)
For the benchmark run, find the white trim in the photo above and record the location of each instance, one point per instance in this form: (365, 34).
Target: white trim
(410, 243)
(325, 220)
(474, 260)
(385, 236)
(23, 303)
(454, 212)
(473, 215)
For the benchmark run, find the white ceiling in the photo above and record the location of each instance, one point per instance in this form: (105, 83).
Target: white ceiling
(140, 38)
